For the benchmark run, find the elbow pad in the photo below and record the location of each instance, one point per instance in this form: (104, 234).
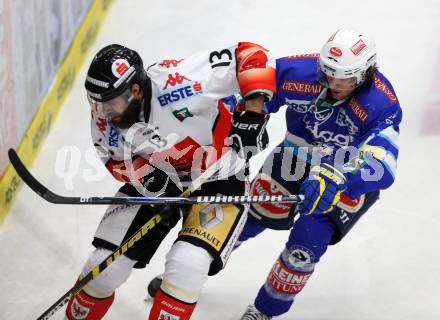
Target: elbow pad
(255, 72)
(133, 172)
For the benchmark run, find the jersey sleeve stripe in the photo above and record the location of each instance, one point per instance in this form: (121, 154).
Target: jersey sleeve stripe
(391, 135)
(390, 163)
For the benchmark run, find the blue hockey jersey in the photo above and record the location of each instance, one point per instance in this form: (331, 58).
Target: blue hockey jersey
(362, 130)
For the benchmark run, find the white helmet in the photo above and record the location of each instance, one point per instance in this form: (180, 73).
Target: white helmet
(348, 54)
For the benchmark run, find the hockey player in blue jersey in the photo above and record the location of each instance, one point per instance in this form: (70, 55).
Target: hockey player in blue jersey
(340, 149)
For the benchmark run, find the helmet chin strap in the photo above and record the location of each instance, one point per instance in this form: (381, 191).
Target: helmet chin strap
(146, 101)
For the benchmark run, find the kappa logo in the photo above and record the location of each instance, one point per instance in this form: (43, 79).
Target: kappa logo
(170, 63)
(174, 80)
(79, 311)
(182, 114)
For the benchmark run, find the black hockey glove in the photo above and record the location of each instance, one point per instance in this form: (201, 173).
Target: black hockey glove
(170, 213)
(248, 133)
(159, 183)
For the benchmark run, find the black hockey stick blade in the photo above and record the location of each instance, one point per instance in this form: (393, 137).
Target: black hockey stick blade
(27, 177)
(52, 197)
(36, 186)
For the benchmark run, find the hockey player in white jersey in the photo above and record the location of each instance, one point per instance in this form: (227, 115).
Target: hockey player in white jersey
(155, 129)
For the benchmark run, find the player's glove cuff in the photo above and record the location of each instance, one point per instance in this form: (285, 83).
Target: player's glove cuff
(248, 134)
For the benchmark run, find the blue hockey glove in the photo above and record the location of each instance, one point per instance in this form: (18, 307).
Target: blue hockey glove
(322, 189)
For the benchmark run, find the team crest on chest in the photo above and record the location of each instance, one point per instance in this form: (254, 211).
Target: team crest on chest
(182, 114)
(322, 110)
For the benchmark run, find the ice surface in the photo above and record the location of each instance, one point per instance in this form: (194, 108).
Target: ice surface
(387, 268)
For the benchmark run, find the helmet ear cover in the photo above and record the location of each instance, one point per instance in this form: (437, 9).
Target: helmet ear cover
(347, 54)
(113, 71)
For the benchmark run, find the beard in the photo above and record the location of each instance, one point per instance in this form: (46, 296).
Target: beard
(129, 116)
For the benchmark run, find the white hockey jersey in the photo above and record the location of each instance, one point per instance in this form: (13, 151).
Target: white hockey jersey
(186, 117)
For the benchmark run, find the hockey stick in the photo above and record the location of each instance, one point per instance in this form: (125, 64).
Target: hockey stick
(52, 197)
(97, 270)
